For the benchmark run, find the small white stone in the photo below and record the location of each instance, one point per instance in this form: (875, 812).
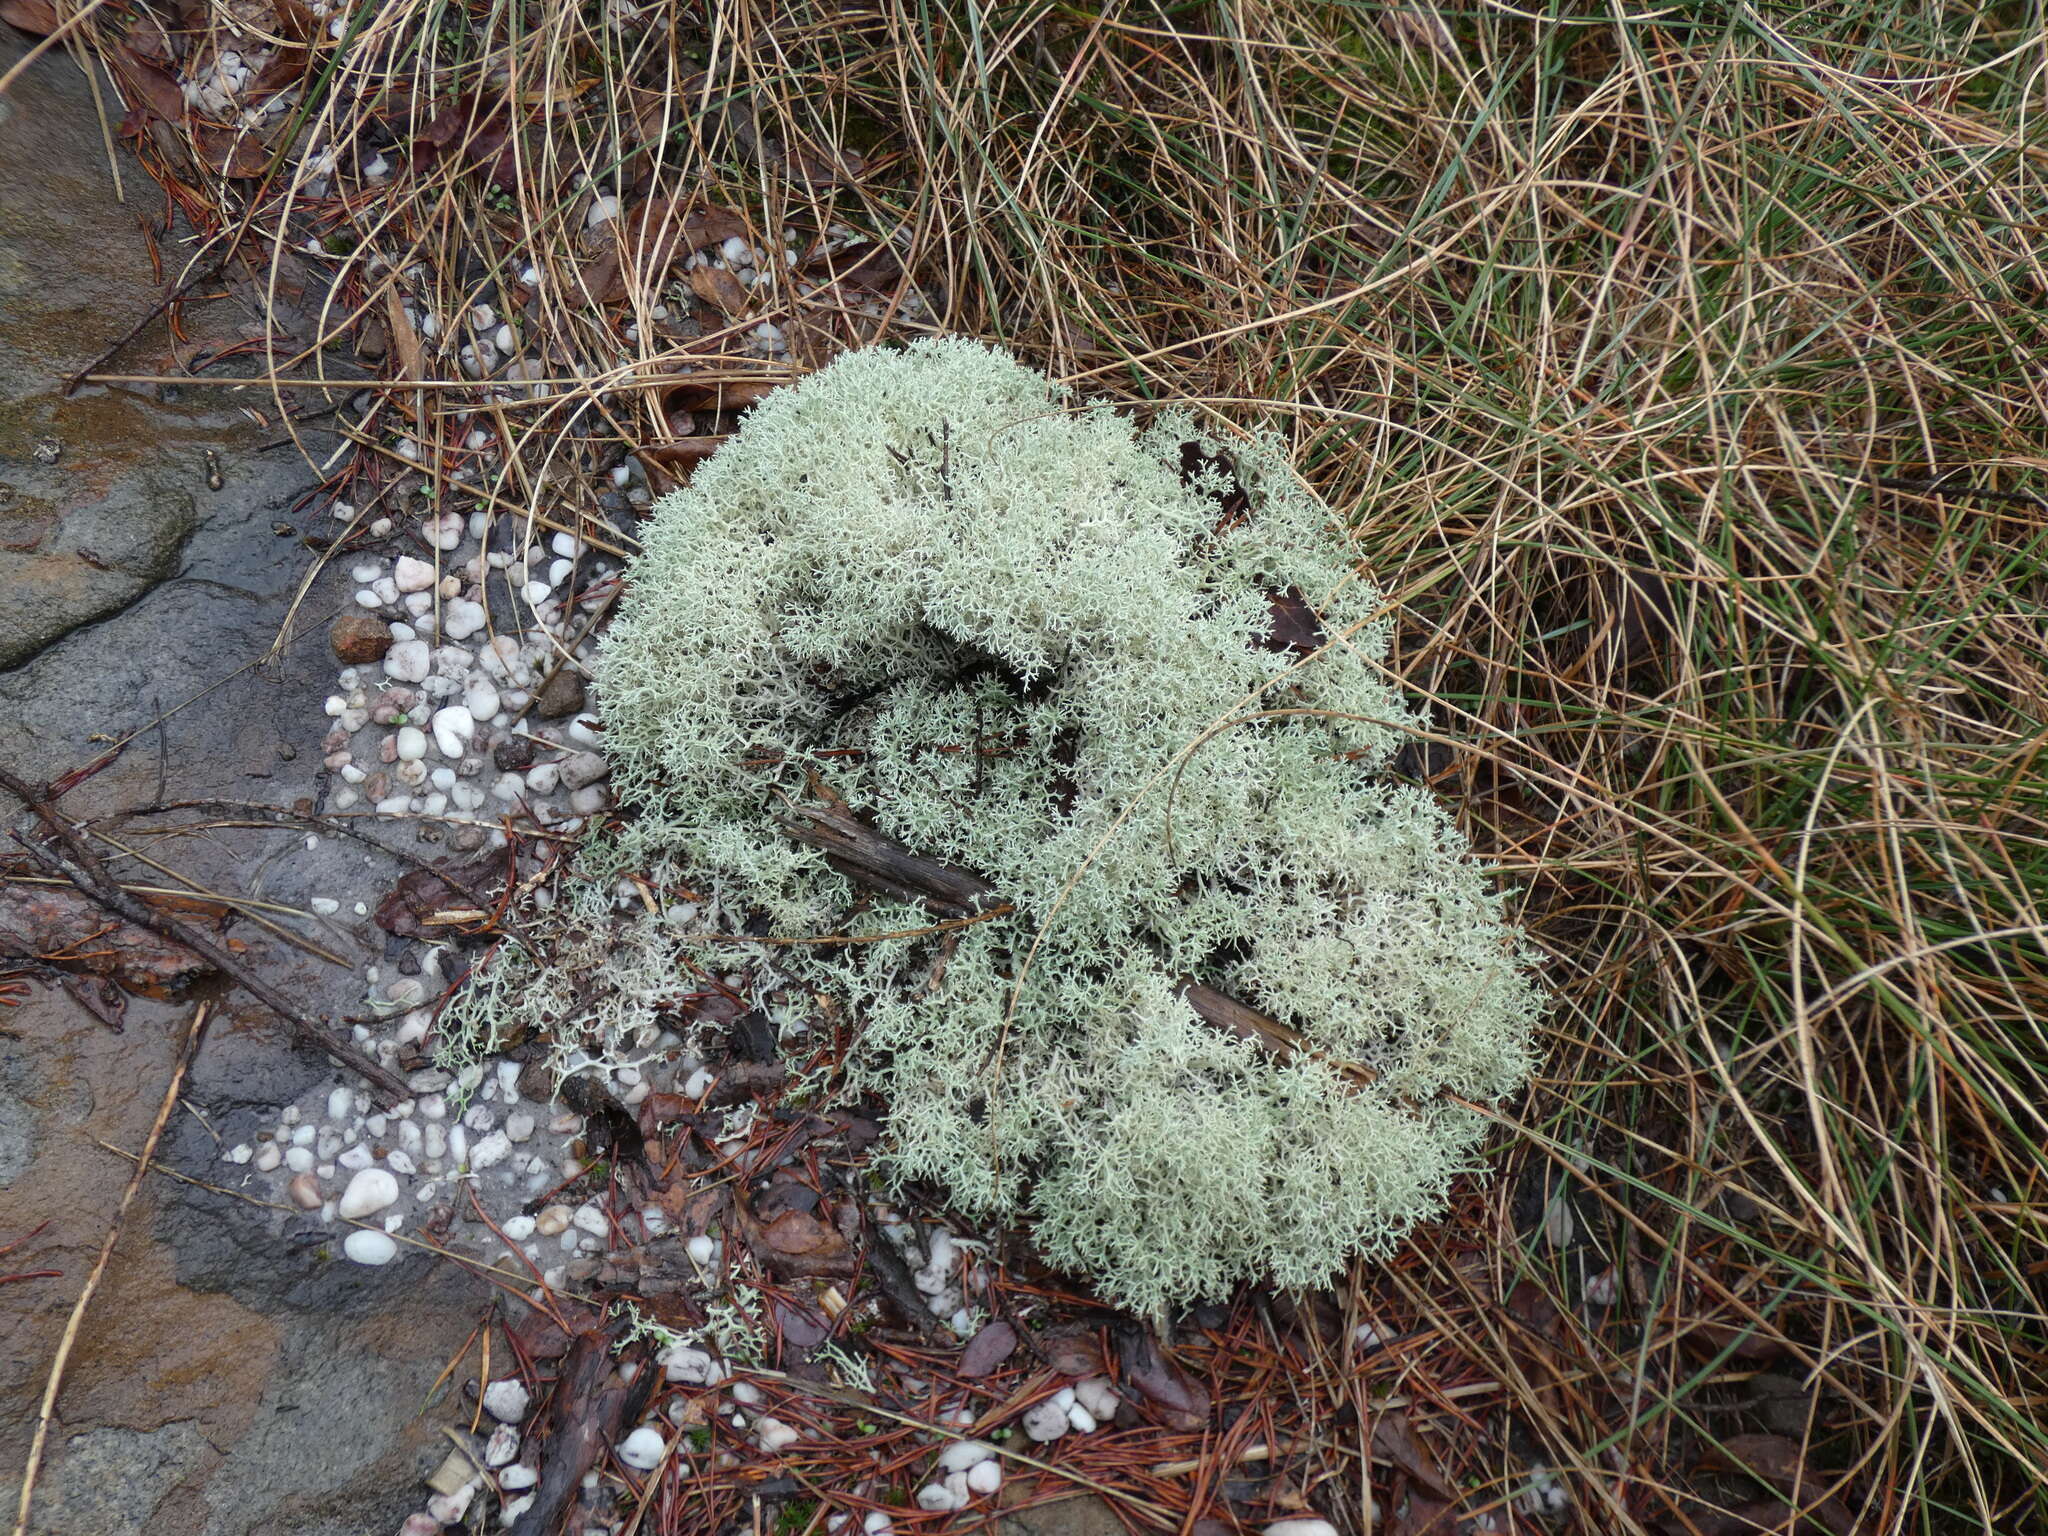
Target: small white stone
(480, 699)
(985, 1477)
(1081, 1419)
(239, 1154)
(774, 1435)
(409, 661)
(688, 1363)
(703, 1251)
(325, 906)
(400, 1161)
(449, 1508)
(506, 1400)
(412, 575)
(641, 1450)
(340, 1104)
(502, 1446)
(542, 778)
(412, 743)
(553, 1220)
(877, 1523)
(963, 1454)
(298, 1159)
(489, 1151)
(461, 619)
(937, 1497)
(1098, 1397)
(369, 1192)
(602, 211)
(268, 1156)
(366, 1245)
(1301, 1528)
(519, 1126)
(1047, 1421)
(356, 1158)
(589, 1218)
(454, 728)
(518, 1229)
(515, 1478)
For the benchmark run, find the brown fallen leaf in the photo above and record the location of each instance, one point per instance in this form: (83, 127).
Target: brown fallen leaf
(1165, 1393)
(1394, 1438)
(1782, 1462)
(38, 17)
(422, 895)
(987, 1349)
(652, 238)
(1072, 1350)
(64, 929)
(720, 287)
(799, 1234)
(717, 395)
(668, 464)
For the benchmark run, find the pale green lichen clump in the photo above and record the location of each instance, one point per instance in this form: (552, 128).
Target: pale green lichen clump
(1000, 624)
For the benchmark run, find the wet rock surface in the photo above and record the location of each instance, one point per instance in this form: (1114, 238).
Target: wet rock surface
(233, 1375)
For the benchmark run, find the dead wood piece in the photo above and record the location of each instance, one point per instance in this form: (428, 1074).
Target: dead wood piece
(58, 926)
(84, 870)
(590, 1405)
(864, 855)
(878, 862)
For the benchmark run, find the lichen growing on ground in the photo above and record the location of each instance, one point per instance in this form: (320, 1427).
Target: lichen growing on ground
(1028, 638)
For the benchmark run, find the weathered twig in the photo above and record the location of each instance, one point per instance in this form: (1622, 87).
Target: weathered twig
(51, 1387)
(872, 859)
(84, 870)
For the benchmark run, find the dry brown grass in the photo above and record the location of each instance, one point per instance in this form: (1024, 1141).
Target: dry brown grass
(1681, 375)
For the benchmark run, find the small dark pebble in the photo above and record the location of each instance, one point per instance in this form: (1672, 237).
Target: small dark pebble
(512, 754)
(562, 697)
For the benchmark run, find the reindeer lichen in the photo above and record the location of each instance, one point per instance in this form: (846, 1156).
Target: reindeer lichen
(1028, 638)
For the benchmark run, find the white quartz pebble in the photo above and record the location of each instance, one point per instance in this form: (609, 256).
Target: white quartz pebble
(412, 575)
(367, 1246)
(409, 661)
(963, 1454)
(1047, 1421)
(454, 728)
(506, 1400)
(985, 1477)
(370, 1191)
(641, 1450)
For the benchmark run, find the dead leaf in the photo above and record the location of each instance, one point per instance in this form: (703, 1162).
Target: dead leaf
(404, 339)
(734, 395)
(987, 1350)
(799, 1326)
(1781, 1461)
(1072, 1351)
(668, 464)
(720, 287)
(421, 895)
(1295, 626)
(654, 237)
(873, 265)
(1166, 1394)
(799, 1234)
(38, 17)
(61, 928)
(1393, 1437)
